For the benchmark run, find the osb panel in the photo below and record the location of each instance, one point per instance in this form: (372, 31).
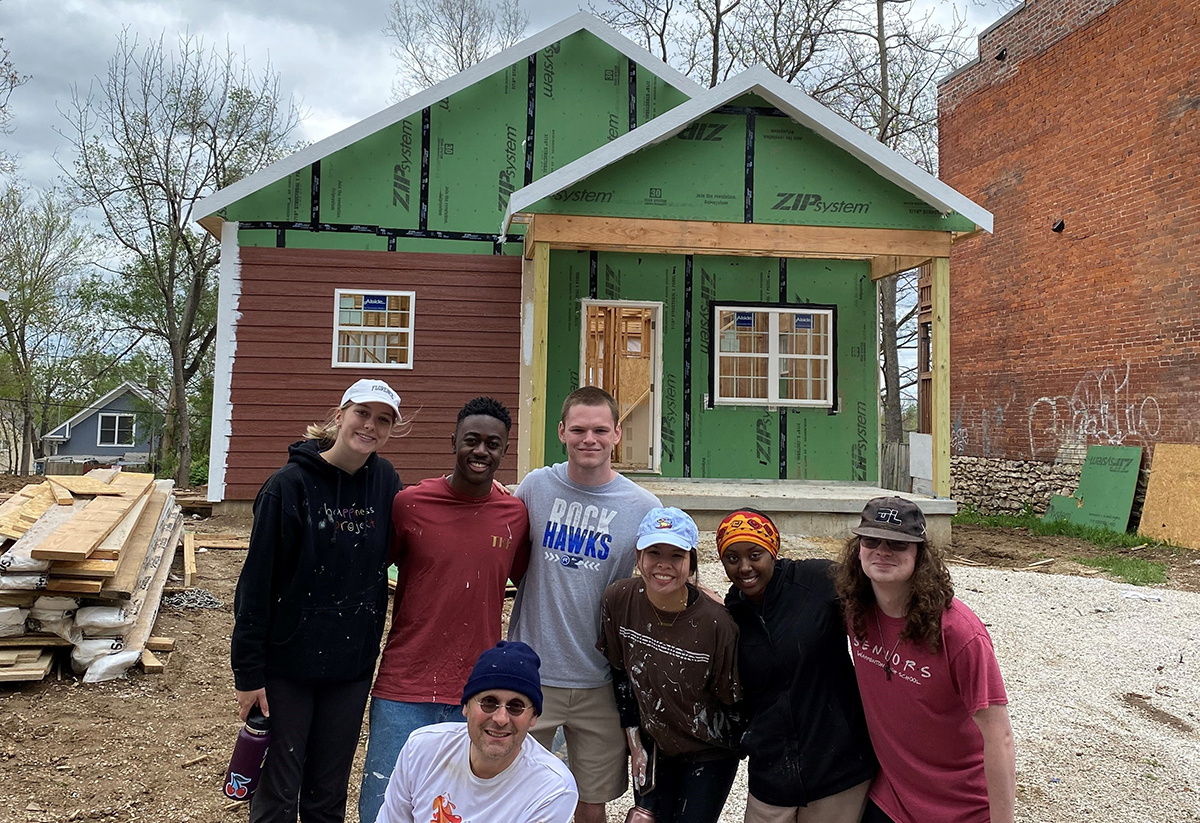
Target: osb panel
(1172, 509)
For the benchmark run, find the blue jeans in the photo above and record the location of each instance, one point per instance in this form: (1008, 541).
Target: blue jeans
(391, 724)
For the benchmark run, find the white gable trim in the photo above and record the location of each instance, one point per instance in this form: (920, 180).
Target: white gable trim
(229, 292)
(788, 99)
(431, 96)
(62, 432)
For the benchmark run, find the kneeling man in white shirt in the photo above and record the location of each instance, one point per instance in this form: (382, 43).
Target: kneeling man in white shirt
(490, 770)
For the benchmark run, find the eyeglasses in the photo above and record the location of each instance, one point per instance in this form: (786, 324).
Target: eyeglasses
(873, 543)
(489, 705)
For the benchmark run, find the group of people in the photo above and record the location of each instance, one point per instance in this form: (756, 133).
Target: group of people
(860, 689)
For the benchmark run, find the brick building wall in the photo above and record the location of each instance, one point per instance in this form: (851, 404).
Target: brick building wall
(1090, 335)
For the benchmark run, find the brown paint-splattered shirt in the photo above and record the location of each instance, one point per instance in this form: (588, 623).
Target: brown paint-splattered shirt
(684, 675)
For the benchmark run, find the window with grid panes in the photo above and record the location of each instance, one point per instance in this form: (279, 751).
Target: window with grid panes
(773, 356)
(373, 329)
(116, 430)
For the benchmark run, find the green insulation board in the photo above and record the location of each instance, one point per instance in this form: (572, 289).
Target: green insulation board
(729, 441)
(582, 94)
(1107, 484)
(796, 178)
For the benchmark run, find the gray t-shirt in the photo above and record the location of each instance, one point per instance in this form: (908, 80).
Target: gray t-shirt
(583, 538)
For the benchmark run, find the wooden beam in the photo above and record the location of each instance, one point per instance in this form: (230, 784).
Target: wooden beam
(150, 663)
(940, 275)
(189, 559)
(887, 265)
(563, 231)
(87, 529)
(62, 495)
(160, 644)
(536, 447)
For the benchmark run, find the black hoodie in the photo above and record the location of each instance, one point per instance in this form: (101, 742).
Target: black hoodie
(807, 736)
(312, 597)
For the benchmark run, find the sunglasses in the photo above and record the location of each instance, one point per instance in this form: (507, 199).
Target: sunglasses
(892, 545)
(489, 705)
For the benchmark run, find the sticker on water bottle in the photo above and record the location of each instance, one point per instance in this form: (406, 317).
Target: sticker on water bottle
(235, 787)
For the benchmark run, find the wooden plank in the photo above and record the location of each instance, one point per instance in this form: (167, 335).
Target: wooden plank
(940, 276)
(150, 663)
(73, 585)
(34, 641)
(536, 445)
(1172, 508)
(29, 671)
(140, 541)
(102, 569)
(18, 521)
(76, 539)
(19, 499)
(86, 485)
(19, 556)
(638, 235)
(106, 565)
(887, 265)
(201, 543)
(8, 657)
(160, 644)
(62, 495)
(189, 559)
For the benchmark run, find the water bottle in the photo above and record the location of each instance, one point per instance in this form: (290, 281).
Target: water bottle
(249, 754)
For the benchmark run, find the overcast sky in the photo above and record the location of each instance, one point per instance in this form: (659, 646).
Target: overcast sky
(331, 54)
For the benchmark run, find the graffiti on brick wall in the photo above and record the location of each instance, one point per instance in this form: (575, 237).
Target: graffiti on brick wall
(1102, 409)
(991, 423)
(959, 436)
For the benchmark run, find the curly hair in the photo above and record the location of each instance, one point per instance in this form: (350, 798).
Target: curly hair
(488, 406)
(932, 592)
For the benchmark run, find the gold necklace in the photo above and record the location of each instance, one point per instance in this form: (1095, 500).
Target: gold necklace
(887, 663)
(675, 615)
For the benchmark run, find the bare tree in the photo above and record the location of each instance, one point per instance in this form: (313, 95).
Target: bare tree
(435, 39)
(42, 255)
(889, 89)
(158, 133)
(10, 80)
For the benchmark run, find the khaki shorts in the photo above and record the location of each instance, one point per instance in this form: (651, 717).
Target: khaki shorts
(844, 807)
(596, 749)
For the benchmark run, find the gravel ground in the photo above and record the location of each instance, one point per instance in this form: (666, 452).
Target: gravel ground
(1104, 687)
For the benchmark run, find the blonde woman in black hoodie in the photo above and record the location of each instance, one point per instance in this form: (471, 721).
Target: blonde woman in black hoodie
(311, 604)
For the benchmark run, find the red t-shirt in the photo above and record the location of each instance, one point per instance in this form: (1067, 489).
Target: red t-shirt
(455, 554)
(930, 750)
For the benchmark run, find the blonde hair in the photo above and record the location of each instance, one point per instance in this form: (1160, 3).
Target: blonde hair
(326, 433)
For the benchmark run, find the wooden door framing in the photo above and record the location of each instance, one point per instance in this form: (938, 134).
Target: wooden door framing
(656, 366)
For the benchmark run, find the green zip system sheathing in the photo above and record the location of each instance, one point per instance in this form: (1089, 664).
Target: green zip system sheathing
(751, 164)
(729, 441)
(439, 180)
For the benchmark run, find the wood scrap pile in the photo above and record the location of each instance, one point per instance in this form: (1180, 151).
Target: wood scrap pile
(84, 562)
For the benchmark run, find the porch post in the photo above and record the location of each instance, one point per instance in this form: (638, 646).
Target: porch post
(539, 329)
(940, 297)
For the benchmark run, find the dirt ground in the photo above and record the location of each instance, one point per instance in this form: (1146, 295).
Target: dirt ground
(155, 747)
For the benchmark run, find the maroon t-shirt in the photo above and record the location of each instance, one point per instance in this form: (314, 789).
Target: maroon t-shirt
(455, 554)
(930, 750)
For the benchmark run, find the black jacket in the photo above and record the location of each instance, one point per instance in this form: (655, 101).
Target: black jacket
(807, 736)
(312, 597)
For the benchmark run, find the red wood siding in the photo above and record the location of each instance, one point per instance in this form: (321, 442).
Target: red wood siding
(466, 338)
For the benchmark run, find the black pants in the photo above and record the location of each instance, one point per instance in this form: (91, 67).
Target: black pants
(314, 732)
(688, 791)
(874, 814)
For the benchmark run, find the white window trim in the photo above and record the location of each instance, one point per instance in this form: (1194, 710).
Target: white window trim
(412, 316)
(772, 354)
(116, 430)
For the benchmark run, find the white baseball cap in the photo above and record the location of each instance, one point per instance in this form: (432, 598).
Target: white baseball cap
(371, 391)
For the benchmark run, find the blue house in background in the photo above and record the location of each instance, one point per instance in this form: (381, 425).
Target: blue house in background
(113, 429)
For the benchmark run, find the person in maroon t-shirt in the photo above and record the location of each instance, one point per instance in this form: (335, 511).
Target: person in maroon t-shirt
(931, 687)
(457, 541)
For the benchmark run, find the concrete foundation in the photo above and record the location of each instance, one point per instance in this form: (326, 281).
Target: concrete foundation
(797, 506)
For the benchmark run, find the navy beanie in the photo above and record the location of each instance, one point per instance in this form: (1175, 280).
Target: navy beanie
(510, 665)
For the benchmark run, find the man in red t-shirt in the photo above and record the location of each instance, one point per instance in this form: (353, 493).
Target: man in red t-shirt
(456, 541)
(931, 688)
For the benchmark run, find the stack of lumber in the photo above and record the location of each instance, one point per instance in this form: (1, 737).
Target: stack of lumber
(98, 545)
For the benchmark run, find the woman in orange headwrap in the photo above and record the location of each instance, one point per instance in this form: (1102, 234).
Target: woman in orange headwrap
(810, 756)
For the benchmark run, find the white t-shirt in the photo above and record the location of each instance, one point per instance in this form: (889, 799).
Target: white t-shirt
(433, 781)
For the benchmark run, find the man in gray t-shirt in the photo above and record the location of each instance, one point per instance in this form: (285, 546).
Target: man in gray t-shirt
(583, 521)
